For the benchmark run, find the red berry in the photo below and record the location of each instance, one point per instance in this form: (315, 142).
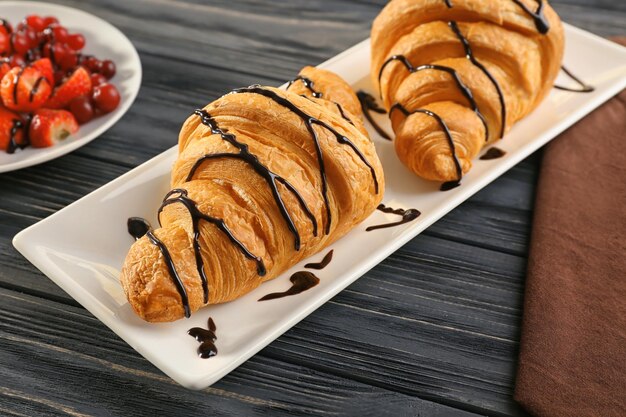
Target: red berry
(98, 79)
(49, 127)
(68, 60)
(82, 109)
(5, 27)
(5, 44)
(106, 97)
(60, 33)
(50, 20)
(58, 77)
(108, 69)
(21, 44)
(36, 22)
(78, 84)
(93, 64)
(31, 36)
(17, 61)
(76, 41)
(24, 89)
(45, 67)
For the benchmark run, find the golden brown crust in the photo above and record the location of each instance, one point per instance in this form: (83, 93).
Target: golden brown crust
(503, 38)
(336, 94)
(232, 190)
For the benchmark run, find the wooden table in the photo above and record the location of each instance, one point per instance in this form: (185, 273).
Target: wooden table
(432, 331)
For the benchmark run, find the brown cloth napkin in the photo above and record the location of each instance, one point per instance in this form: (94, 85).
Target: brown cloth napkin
(572, 358)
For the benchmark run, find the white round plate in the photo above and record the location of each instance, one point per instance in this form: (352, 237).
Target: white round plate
(105, 42)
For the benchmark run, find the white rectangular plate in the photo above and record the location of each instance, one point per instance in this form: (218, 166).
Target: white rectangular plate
(83, 246)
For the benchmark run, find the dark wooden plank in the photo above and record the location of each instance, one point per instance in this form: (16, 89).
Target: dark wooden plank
(438, 320)
(69, 364)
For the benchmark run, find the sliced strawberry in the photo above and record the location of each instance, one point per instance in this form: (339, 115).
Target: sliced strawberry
(4, 68)
(45, 67)
(79, 84)
(11, 130)
(24, 89)
(51, 126)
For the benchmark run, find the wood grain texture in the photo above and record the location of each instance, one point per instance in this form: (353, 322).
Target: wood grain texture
(431, 331)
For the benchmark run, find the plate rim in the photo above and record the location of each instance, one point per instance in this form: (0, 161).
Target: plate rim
(55, 152)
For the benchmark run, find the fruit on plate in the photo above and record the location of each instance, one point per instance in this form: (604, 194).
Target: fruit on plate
(11, 130)
(48, 86)
(77, 85)
(49, 127)
(24, 89)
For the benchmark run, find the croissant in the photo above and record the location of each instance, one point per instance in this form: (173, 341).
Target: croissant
(455, 75)
(264, 178)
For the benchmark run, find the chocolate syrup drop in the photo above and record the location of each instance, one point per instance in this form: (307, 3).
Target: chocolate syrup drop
(323, 264)
(207, 338)
(407, 216)
(301, 280)
(138, 227)
(493, 153)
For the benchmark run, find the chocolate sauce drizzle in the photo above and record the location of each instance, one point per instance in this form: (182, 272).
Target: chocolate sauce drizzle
(584, 88)
(206, 338)
(179, 195)
(13, 145)
(309, 121)
(270, 177)
(16, 82)
(138, 227)
(407, 216)
(467, 93)
(308, 83)
(459, 170)
(35, 88)
(492, 153)
(178, 282)
(301, 281)
(323, 264)
(469, 55)
(540, 20)
(368, 103)
(343, 114)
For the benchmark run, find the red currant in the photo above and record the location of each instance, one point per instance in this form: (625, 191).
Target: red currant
(82, 109)
(58, 77)
(17, 61)
(93, 64)
(106, 97)
(20, 43)
(76, 41)
(108, 69)
(68, 60)
(60, 33)
(36, 22)
(50, 20)
(98, 79)
(5, 45)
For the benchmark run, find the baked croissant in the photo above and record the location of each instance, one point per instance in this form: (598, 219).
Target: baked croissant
(264, 178)
(455, 75)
